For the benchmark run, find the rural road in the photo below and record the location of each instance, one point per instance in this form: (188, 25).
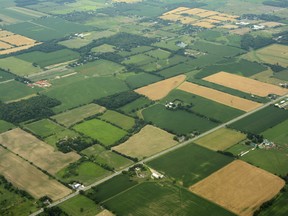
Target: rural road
(162, 153)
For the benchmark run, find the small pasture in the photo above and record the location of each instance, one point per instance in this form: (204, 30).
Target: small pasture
(104, 132)
(239, 187)
(150, 140)
(160, 89)
(5, 126)
(141, 79)
(116, 118)
(135, 105)
(221, 139)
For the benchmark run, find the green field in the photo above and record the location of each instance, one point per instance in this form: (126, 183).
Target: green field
(80, 205)
(16, 91)
(100, 67)
(122, 121)
(59, 135)
(18, 66)
(73, 116)
(141, 79)
(157, 199)
(4, 76)
(102, 156)
(204, 106)
(5, 126)
(176, 121)
(44, 128)
(139, 59)
(85, 172)
(110, 188)
(278, 133)
(105, 133)
(283, 75)
(176, 70)
(158, 54)
(134, 51)
(135, 105)
(84, 91)
(48, 28)
(103, 48)
(190, 163)
(46, 59)
(261, 120)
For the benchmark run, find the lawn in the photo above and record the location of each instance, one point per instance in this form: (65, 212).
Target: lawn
(44, 59)
(157, 199)
(80, 205)
(100, 67)
(141, 79)
(122, 121)
(5, 126)
(176, 121)
(102, 156)
(110, 188)
(18, 66)
(261, 120)
(204, 106)
(16, 91)
(189, 164)
(73, 116)
(84, 91)
(85, 172)
(105, 133)
(44, 128)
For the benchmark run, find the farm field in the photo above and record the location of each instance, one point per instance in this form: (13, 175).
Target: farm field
(221, 139)
(245, 189)
(195, 161)
(160, 89)
(141, 79)
(16, 91)
(85, 172)
(273, 54)
(139, 59)
(203, 106)
(80, 205)
(102, 156)
(150, 140)
(27, 177)
(5, 126)
(100, 68)
(220, 97)
(105, 48)
(283, 75)
(104, 132)
(135, 105)
(18, 66)
(46, 59)
(73, 116)
(84, 91)
(110, 188)
(60, 135)
(122, 121)
(44, 128)
(154, 199)
(176, 121)
(278, 133)
(4, 76)
(245, 84)
(261, 120)
(36, 151)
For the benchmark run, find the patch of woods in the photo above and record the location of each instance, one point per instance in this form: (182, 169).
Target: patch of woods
(266, 17)
(73, 143)
(248, 41)
(53, 211)
(33, 108)
(117, 100)
(277, 3)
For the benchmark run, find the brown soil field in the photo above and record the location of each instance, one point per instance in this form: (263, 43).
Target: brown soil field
(27, 177)
(210, 20)
(16, 49)
(207, 14)
(105, 213)
(177, 10)
(221, 139)
(173, 17)
(204, 24)
(195, 11)
(18, 40)
(272, 24)
(240, 31)
(239, 187)
(245, 84)
(4, 45)
(127, 1)
(229, 26)
(220, 97)
(159, 90)
(222, 18)
(36, 151)
(4, 33)
(187, 20)
(150, 140)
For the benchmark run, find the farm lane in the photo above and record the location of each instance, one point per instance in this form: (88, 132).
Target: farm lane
(162, 153)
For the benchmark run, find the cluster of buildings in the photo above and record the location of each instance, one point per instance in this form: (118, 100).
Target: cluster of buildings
(282, 104)
(40, 83)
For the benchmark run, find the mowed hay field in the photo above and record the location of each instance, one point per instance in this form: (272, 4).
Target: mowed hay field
(245, 84)
(150, 140)
(220, 97)
(73, 116)
(221, 139)
(27, 177)
(157, 91)
(239, 187)
(36, 151)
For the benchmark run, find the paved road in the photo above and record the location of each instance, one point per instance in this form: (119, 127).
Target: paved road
(162, 153)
